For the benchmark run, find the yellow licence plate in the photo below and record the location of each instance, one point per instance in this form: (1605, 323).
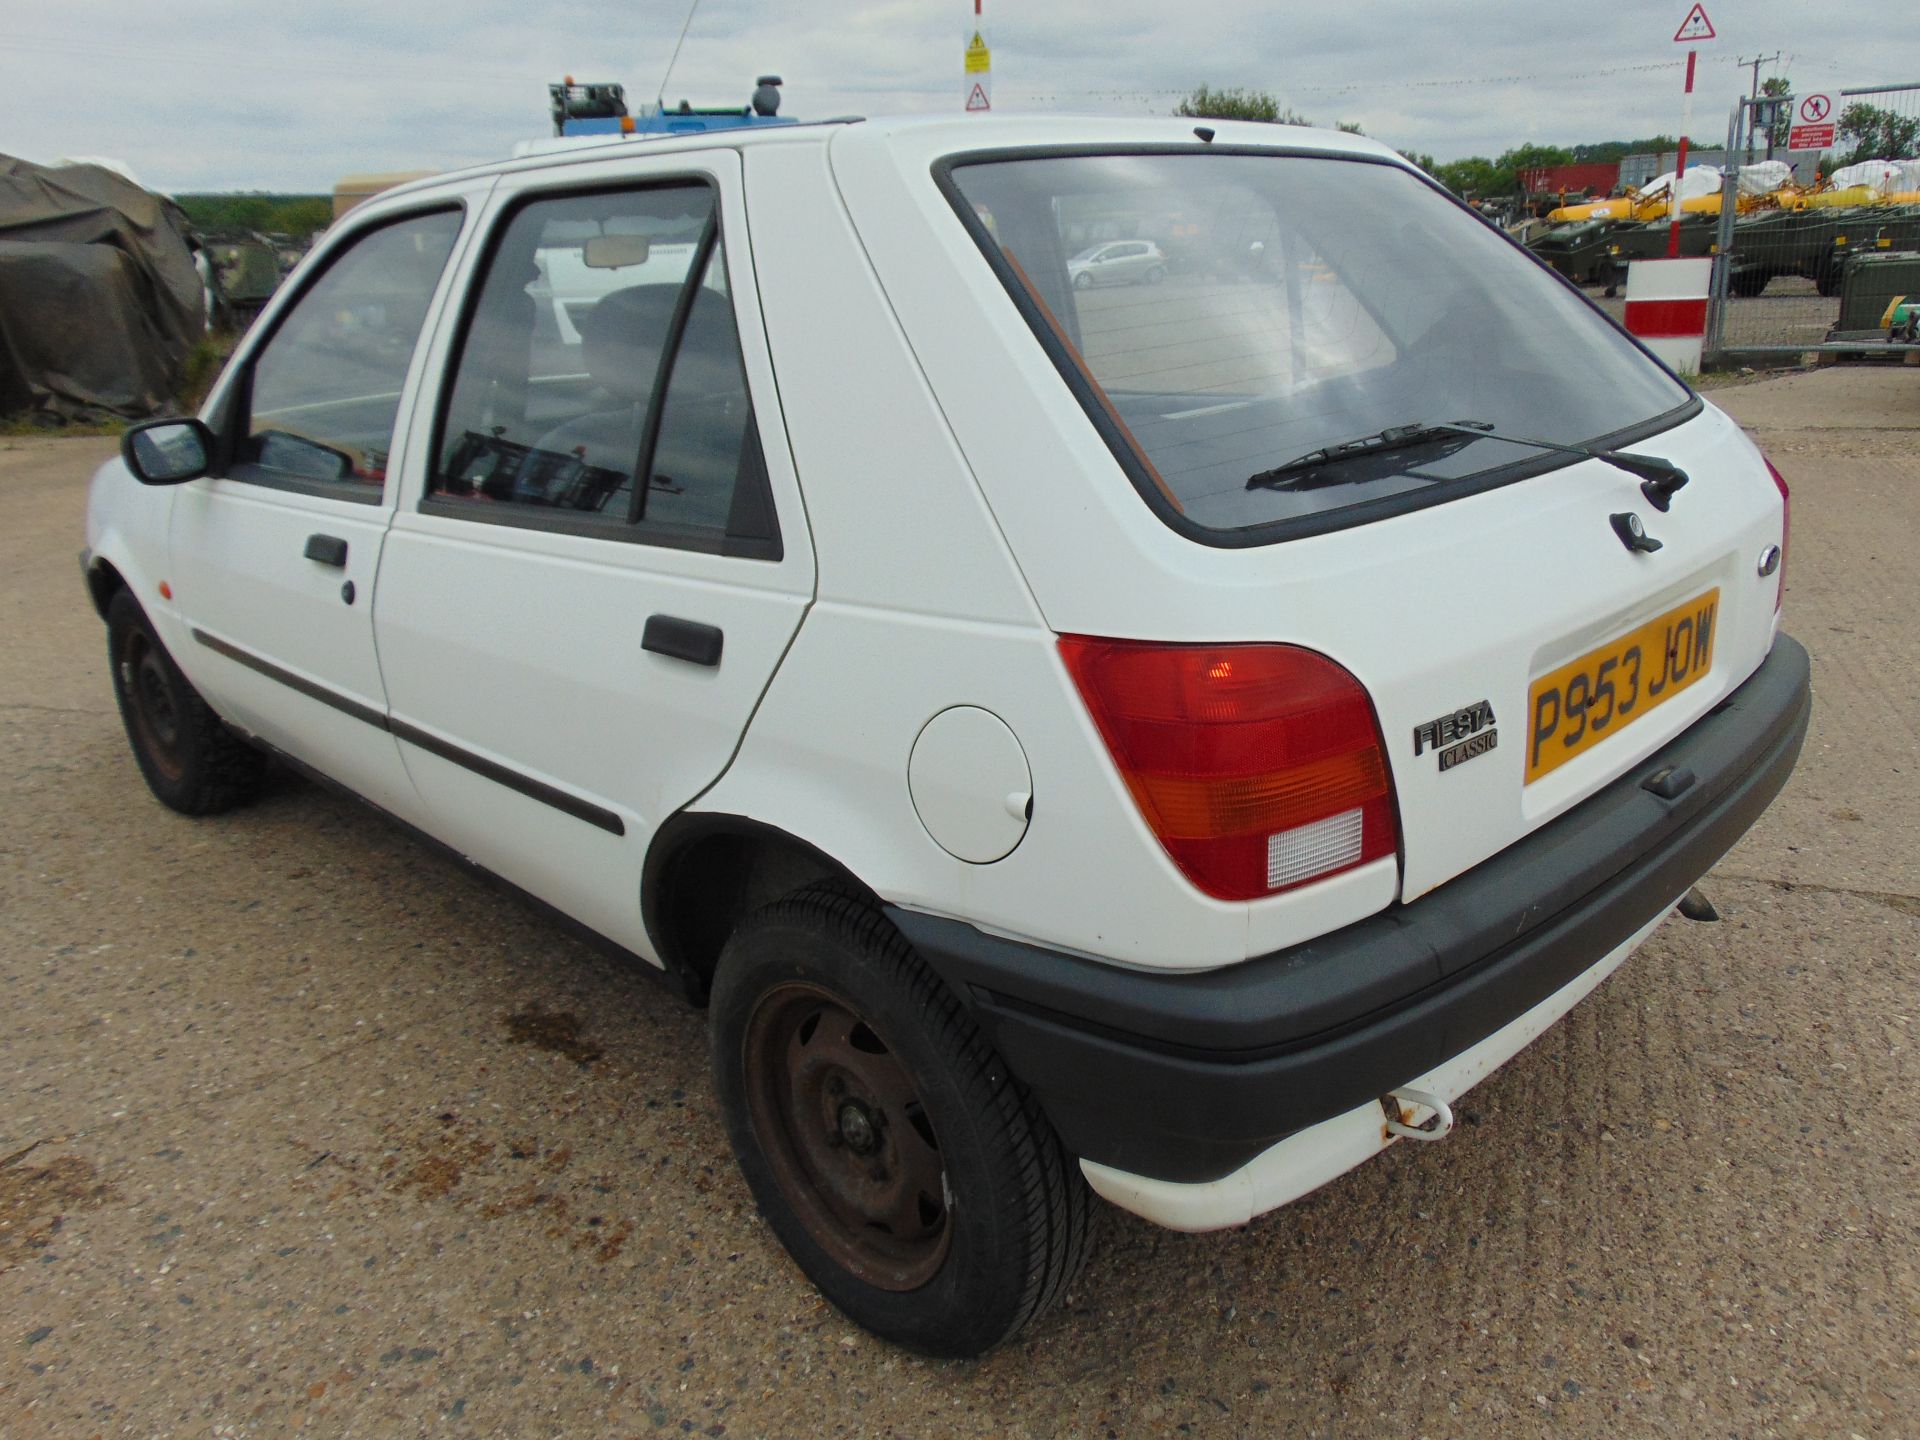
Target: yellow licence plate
(1574, 708)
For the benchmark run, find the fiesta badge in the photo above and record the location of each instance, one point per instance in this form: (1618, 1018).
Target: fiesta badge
(1466, 733)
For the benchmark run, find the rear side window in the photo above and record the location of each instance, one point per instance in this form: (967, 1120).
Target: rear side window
(1267, 307)
(324, 391)
(599, 386)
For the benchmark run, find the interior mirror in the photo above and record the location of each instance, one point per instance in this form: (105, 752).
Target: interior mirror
(167, 452)
(616, 252)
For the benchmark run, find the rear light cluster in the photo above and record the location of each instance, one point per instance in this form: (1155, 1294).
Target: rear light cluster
(1258, 767)
(1786, 529)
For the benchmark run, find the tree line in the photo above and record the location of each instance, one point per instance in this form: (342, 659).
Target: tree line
(298, 216)
(1866, 132)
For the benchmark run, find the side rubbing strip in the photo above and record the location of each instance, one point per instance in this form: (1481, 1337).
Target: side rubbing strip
(309, 688)
(533, 789)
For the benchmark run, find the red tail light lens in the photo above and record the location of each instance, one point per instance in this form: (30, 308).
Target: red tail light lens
(1786, 528)
(1258, 767)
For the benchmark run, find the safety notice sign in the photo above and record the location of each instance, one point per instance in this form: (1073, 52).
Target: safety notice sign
(979, 76)
(1695, 27)
(1813, 123)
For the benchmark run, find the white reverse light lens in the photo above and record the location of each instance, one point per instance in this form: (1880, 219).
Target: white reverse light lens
(1308, 850)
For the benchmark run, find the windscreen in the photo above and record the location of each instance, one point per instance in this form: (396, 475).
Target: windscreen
(1228, 316)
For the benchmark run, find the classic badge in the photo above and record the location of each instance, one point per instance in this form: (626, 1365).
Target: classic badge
(1466, 733)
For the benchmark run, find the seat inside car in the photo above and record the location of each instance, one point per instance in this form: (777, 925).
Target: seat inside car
(620, 348)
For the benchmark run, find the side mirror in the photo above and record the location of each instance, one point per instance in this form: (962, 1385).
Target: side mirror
(167, 452)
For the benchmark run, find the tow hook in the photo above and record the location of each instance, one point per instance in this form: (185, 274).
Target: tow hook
(1401, 1106)
(1696, 906)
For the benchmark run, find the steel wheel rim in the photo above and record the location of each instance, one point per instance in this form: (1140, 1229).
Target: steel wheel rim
(840, 1121)
(151, 700)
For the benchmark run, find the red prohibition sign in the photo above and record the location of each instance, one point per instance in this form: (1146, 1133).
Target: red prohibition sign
(1814, 109)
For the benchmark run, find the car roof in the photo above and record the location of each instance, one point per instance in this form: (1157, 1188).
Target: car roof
(918, 138)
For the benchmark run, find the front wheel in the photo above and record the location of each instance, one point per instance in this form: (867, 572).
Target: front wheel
(915, 1181)
(1156, 274)
(191, 761)
(1082, 281)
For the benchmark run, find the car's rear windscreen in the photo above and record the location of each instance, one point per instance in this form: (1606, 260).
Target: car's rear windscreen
(1222, 315)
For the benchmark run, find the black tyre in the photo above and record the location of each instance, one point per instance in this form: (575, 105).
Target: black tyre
(915, 1181)
(1082, 281)
(1156, 274)
(191, 761)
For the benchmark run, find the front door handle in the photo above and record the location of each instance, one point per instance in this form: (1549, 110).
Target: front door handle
(328, 550)
(682, 639)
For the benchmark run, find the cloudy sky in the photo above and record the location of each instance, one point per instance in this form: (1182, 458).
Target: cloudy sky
(197, 95)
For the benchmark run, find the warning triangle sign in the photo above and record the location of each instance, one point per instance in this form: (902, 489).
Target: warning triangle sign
(1696, 26)
(977, 99)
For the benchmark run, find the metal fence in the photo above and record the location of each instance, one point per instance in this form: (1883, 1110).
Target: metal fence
(1824, 271)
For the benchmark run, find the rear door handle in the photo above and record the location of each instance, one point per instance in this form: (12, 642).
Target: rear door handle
(327, 549)
(682, 639)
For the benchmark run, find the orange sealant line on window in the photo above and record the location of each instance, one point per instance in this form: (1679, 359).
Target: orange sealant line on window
(1080, 364)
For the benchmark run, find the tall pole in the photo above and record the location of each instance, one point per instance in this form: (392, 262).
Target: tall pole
(1753, 93)
(1680, 169)
(978, 74)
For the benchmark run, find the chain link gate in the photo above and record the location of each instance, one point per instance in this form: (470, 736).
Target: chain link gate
(1828, 270)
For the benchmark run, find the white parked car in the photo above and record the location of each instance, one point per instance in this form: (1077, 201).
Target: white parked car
(1169, 750)
(1124, 262)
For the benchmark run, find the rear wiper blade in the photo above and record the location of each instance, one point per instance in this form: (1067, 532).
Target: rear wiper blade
(1659, 478)
(1394, 437)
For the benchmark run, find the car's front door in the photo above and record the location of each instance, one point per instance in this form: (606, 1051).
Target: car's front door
(274, 558)
(606, 558)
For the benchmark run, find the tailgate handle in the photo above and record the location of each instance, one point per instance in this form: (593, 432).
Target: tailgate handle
(327, 549)
(679, 639)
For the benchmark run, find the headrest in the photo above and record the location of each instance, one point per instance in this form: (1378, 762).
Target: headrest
(620, 338)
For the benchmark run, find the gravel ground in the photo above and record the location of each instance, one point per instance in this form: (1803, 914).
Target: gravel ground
(302, 1128)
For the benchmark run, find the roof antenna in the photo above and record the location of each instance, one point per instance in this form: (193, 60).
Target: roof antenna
(661, 99)
(1204, 133)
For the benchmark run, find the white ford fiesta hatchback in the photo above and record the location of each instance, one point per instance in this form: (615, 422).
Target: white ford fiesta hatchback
(1166, 740)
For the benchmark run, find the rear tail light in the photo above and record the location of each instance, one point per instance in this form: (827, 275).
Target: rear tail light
(1258, 767)
(1786, 526)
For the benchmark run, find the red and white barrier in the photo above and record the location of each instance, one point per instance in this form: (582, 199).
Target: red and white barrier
(1667, 308)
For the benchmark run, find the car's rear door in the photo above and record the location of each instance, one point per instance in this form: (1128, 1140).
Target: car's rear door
(571, 655)
(275, 557)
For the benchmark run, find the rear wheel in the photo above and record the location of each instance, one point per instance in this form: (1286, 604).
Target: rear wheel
(914, 1180)
(191, 761)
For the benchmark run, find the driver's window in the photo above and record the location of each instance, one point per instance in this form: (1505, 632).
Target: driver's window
(324, 392)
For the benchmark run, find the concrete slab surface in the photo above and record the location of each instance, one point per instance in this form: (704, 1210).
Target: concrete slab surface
(304, 1130)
